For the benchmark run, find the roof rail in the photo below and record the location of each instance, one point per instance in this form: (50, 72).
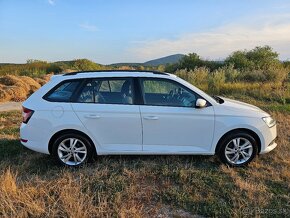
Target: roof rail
(103, 71)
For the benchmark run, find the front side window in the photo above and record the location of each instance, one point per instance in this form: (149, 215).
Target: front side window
(161, 92)
(107, 91)
(63, 92)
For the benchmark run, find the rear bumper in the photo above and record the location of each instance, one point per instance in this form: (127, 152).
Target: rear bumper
(33, 139)
(34, 146)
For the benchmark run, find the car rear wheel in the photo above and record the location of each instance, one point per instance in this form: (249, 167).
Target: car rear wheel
(72, 150)
(238, 149)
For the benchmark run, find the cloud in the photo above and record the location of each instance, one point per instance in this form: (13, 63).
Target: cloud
(89, 27)
(220, 42)
(51, 2)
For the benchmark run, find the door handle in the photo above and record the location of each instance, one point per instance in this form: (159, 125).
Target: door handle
(92, 116)
(151, 118)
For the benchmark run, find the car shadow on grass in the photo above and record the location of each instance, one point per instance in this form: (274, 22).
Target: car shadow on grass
(10, 148)
(156, 162)
(12, 153)
(40, 164)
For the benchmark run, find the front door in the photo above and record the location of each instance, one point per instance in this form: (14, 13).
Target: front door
(171, 123)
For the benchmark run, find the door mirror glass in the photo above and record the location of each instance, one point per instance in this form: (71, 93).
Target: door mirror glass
(200, 103)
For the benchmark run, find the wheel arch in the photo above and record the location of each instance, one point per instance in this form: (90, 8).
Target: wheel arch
(250, 132)
(74, 131)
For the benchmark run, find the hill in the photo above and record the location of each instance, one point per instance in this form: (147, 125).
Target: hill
(171, 59)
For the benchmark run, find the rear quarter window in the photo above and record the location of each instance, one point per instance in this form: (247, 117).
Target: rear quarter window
(63, 92)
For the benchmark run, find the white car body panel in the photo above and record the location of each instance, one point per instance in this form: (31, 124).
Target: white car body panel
(111, 125)
(142, 129)
(177, 130)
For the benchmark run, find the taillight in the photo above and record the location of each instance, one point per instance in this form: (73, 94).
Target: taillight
(26, 114)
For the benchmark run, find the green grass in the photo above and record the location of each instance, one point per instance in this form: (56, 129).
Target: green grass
(275, 107)
(269, 106)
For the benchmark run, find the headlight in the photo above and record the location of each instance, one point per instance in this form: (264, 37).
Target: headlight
(269, 121)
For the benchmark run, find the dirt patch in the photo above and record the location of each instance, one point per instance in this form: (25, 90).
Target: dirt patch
(10, 106)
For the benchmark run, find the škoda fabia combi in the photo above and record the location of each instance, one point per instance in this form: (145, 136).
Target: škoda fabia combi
(78, 115)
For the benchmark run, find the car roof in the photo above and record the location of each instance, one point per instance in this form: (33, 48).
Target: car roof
(116, 73)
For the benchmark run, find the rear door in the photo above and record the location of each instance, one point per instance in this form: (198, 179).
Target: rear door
(171, 123)
(106, 108)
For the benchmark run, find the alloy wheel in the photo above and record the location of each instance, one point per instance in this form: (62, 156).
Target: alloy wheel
(238, 151)
(72, 151)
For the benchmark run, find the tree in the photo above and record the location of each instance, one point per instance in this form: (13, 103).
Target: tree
(257, 58)
(171, 68)
(190, 61)
(33, 61)
(239, 60)
(259, 64)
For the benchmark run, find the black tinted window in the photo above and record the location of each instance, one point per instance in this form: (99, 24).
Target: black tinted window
(107, 91)
(162, 92)
(63, 92)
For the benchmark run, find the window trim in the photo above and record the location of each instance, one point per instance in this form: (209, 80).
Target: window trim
(138, 92)
(80, 80)
(139, 100)
(86, 80)
(172, 81)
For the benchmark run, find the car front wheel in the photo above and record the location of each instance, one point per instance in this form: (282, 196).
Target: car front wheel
(238, 149)
(72, 150)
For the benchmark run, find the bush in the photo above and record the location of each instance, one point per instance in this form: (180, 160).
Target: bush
(215, 80)
(84, 64)
(231, 74)
(273, 74)
(32, 73)
(198, 76)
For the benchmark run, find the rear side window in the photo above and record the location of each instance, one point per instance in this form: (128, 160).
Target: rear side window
(107, 91)
(62, 92)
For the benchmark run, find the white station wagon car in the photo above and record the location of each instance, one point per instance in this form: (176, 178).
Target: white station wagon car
(77, 115)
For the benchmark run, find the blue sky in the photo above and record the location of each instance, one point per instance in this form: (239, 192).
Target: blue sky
(110, 31)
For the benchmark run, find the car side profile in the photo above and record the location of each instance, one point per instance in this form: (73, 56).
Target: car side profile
(77, 115)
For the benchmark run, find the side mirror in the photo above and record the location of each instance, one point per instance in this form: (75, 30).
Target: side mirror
(200, 103)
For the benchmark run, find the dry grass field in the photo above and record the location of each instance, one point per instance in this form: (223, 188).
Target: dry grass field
(18, 88)
(33, 185)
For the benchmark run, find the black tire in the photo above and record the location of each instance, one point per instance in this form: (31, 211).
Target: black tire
(80, 144)
(228, 143)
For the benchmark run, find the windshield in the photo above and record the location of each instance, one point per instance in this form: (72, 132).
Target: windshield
(202, 93)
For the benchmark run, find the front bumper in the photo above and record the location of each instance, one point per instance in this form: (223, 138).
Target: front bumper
(269, 148)
(270, 135)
